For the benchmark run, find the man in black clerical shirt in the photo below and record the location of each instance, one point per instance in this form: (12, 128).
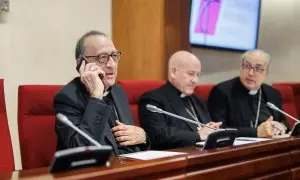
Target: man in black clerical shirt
(177, 97)
(241, 102)
(95, 103)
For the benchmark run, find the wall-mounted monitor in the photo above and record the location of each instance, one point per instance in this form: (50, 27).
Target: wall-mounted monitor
(228, 24)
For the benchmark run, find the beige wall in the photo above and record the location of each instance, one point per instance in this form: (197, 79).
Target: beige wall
(279, 35)
(37, 45)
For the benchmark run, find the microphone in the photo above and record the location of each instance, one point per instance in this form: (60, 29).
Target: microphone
(62, 118)
(272, 106)
(155, 109)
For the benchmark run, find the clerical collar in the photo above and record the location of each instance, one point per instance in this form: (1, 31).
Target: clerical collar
(182, 95)
(106, 93)
(253, 92)
(178, 93)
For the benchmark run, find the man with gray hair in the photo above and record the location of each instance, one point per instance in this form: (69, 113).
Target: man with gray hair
(241, 102)
(176, 96)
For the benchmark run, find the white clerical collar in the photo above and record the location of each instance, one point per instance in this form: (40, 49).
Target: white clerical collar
(182, 95)
(253, 92)
(106, 93)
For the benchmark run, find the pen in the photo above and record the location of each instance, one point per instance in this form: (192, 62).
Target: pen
(276, 128)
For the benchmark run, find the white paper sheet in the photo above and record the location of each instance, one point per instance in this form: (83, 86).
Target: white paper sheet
(148, 155)
(282, 136)
(257, 139)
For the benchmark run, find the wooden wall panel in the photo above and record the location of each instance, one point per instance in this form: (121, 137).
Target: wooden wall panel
(148, 32)
(177, 16)
(138, 33)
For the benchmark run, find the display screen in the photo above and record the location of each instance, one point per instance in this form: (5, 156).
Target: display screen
(229, 24)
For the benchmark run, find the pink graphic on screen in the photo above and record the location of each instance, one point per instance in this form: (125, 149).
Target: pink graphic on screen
(208, 16)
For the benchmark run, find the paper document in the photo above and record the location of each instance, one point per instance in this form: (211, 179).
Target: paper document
(257, 139)
(241, 141)
(282, 136)
(148, 155)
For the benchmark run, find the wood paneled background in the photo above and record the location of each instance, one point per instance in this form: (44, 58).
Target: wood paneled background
(147, 33)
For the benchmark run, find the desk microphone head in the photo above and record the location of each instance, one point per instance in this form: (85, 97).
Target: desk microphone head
(62, 118)
(79, 156)
(272, 106)
(153, 108)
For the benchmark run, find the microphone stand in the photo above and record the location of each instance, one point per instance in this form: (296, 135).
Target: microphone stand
(153, 108)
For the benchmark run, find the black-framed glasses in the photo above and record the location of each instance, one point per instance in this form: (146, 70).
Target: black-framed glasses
(104, 58)
(256, 69)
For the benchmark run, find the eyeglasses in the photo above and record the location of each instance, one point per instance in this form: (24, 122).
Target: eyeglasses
(104, 58)
(256, 69)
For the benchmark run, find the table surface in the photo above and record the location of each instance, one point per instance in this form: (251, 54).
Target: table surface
(278, 158)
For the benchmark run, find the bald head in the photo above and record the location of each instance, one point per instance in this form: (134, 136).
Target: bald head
(184, 71)
(181, 58)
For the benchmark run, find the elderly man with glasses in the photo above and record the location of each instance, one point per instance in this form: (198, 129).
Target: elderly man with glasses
(95, 103)
(241, 102)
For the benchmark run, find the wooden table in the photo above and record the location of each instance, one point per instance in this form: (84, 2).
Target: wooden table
(276, 159)
(120, 168)
(295, 158)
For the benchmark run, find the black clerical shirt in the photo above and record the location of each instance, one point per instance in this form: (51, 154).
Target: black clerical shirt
(112, 123)
(189, 105)
(264, 112)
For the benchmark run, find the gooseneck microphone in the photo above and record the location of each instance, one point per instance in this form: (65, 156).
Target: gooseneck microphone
(62, 118)
(155, 109)
(272, 106)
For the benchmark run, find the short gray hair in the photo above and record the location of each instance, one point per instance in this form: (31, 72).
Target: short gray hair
(259, 51)
(80, 45)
